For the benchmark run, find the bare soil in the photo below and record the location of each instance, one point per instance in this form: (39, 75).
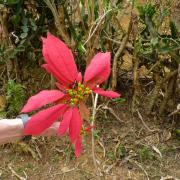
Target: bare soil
(138, 148)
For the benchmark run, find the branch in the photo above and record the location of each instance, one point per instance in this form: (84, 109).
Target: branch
(119, 53)
(52, 6)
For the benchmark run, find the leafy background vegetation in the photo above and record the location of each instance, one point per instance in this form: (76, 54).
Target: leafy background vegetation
(150, 38)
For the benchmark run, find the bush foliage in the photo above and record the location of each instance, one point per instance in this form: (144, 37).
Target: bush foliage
(148, 34)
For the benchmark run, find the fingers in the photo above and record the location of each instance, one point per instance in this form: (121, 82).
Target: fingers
(52, 130)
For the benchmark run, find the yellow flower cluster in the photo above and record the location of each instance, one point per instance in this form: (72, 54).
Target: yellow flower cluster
(78, 93)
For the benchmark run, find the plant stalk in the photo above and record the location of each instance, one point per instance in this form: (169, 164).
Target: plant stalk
(92, 134)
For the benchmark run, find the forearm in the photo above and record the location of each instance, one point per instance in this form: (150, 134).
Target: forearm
(12, 129)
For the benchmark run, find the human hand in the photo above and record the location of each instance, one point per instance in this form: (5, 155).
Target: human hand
(52, 130)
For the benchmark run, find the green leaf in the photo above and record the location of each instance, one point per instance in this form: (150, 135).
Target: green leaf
(154, 41)
(15, 19)
(15, 96)
(23, 35)
(3, 114)
(81, 48)
(177, 131)
(121, 151)
(165, 13)
(119, 100)
(25, 29)
(34, 26)
(10, 2)
(148, 10)
(174, 30)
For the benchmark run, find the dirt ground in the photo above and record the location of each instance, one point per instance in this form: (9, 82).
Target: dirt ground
(128, 147)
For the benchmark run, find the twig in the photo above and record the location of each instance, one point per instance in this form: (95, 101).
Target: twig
(116, 147)
(99, 22)
(169, 177)
(157, 150)
(168, 93)
(110, 167)
(145, 125)
(170, 75)
(175, 111)
(159, 82)
(67, 171)
(155, 92)
(25, 175)
(136, 84)
(154, 66)
(126, 159)
(171, 39)
(15, 174)
(113, 113)
(104, 150)
(92, 133)
(128, 45)
(145, 172)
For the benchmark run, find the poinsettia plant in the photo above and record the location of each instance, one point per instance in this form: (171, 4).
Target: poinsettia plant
(68, 101)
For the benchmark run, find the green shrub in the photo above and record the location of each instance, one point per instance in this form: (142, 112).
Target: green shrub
(15, 97)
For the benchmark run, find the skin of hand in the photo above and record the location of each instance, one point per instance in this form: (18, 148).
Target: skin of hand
(52, 130)
(12, 129)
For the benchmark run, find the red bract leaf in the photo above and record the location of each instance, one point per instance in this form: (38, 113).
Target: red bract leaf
(88, 129)
(84, 111)
(64, 125)
(79, 77)
(63, 100)
(98, 71)
(43, 119)
(60, 57)
(50, 69)
(75, 125)
(78, 147)
(108, 93)
(60, 86)
(41, 99)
